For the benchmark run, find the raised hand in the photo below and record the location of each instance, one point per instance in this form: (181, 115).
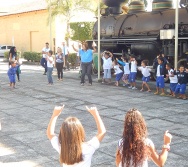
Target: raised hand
(167, 138)
(93, 110)
(57, 110)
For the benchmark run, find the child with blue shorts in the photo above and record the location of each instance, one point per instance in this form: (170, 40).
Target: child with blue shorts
(118, 72)
(182, 81)
(12, 73)
(133, 72)
(125, 65)
(160, 73)
(146, 75)
(173, 79)
(107, 65)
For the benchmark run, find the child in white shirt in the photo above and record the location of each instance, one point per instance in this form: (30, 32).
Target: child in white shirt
(50, 63)
(133, 72)
(107, 65)
(173, 79)
(118, 72)
(125, 65)
(146, 75)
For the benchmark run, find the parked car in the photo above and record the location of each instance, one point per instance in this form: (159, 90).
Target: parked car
(3, 49)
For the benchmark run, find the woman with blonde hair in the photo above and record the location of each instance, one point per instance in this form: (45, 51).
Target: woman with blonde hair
(60, 62)
(70, 144)
(134, 149)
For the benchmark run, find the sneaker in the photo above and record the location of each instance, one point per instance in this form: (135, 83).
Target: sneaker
(102, 82)
(163, 94)
(134, 88)
(130, 87)
(156, 93)
(44, 73)
(141, 90)
(124, 84)
(61, 79)
(90, 84)
(82, 84)
(57, 79)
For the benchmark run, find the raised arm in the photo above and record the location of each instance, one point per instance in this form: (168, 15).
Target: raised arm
(76, 50)
(160, 159)
(100, 125)
(121, 62)
(51, 126)
(94, 49)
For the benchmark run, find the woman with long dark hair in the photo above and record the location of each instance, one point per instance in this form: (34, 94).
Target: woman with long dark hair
(86, 56)
(12, 57)
(134, 149)
(70, 143)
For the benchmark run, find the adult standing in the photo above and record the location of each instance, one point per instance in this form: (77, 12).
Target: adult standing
(86, 55)
(60, 61)
(65, 51)
(12, 57)
(43, 61)
(12, 54)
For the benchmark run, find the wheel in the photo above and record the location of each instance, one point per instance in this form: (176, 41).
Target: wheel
(183, 3)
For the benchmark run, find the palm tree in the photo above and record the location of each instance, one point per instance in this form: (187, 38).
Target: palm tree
(67, 8)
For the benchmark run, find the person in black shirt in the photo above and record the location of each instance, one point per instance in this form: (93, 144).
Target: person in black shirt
(182, 81)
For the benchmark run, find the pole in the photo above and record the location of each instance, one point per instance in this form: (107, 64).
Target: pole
(99, 26)
(50, 27)
(176, 35)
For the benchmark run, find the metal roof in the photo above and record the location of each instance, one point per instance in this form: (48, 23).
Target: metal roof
(26, 6)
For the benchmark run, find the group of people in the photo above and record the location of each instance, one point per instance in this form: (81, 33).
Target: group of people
(178, 78)
(134, 149)
(48, 62)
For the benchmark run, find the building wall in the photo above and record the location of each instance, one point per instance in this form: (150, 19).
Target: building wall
(27, 31)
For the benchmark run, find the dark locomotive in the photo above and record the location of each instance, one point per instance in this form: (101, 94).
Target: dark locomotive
(144, 34)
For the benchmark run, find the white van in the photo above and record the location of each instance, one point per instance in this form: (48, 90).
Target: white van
(3, 49)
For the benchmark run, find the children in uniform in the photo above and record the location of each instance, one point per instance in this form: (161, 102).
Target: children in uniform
(50, 63)
(182, 81)
(107, 65)
(146, 75)
(173, 79)
(12, 73)
(125, 76)
(133, 72)
(118, 72)
(160, 72)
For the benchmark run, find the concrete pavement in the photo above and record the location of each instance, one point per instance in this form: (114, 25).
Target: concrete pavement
(25, 113)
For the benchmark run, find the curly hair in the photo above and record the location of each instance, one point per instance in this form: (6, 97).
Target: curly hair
(134, 149)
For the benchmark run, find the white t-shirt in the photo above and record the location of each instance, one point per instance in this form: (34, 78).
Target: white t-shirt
(133, 66)
(107, 63)
(145, 162)
(145, 71)
(126, 68)
(117, 69)
(158, 71)
(65, 50)
(173, 79)
(45, 50)
(88, 149)
(48, 62)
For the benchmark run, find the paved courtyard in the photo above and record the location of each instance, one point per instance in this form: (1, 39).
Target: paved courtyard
(25, 113)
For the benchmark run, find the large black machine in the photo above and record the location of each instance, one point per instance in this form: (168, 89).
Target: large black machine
(143, 34)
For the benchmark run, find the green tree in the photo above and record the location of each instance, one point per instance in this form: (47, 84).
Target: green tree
(67, 8)
(81, 31)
